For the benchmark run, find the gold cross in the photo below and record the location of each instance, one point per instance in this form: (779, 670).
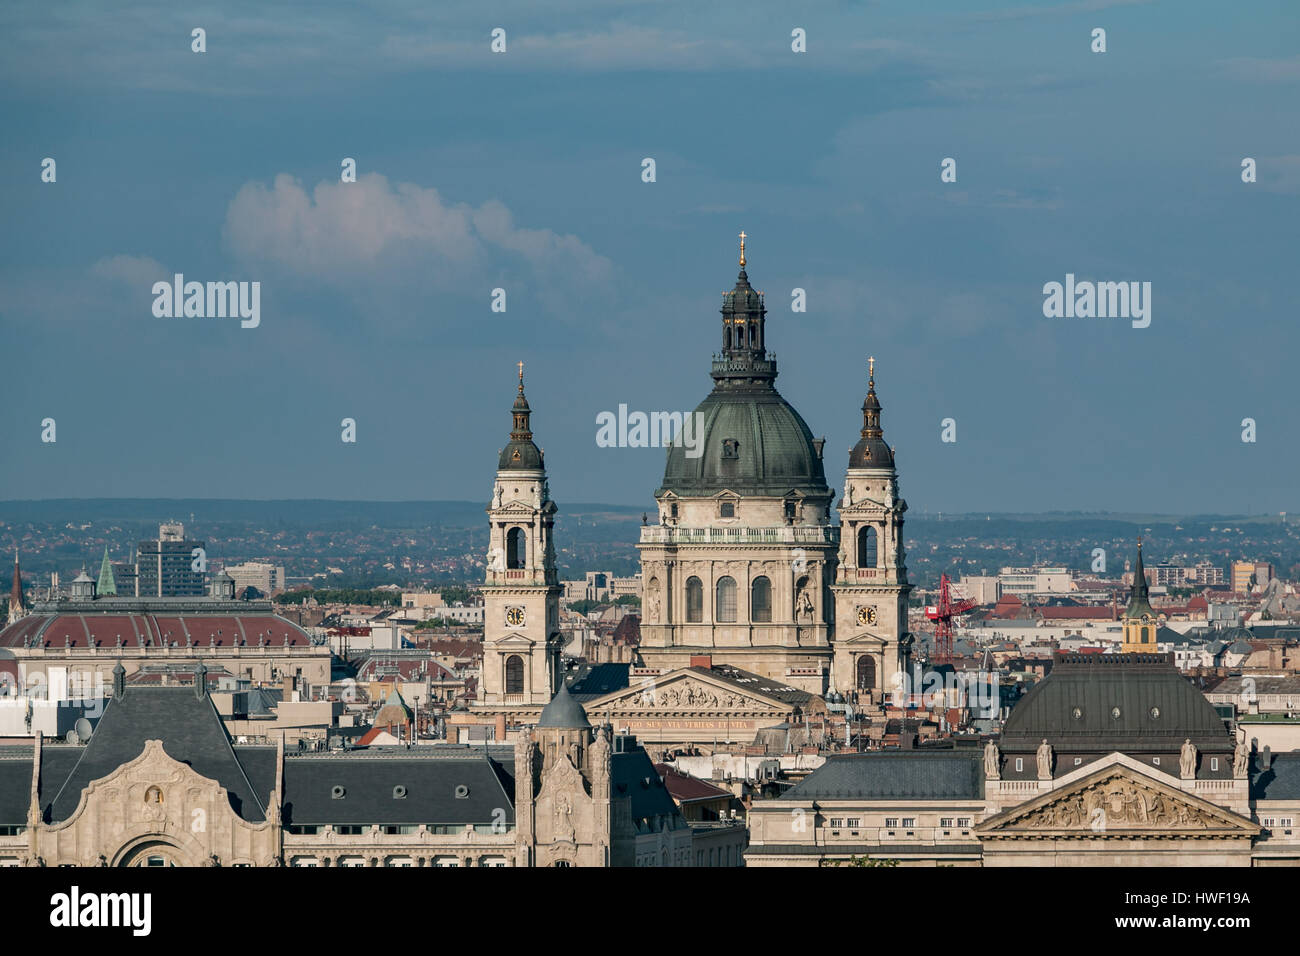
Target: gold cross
(521, 377)
(742, 247)
(871, 368)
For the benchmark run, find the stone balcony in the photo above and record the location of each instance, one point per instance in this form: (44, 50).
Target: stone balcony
(790, 534)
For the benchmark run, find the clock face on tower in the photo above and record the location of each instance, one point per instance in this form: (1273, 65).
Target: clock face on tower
(866, 615)
(515, 617)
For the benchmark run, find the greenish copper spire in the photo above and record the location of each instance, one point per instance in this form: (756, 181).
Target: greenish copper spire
(1139, 603)
(107, 587)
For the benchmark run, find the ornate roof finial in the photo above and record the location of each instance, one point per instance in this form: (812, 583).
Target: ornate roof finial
(871, 371)
(742, 248)
(521, 378)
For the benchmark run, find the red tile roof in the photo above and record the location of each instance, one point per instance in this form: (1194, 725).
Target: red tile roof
(686, 789)
(151, 630)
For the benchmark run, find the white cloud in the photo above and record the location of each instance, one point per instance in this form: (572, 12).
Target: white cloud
(344, 228)
(141, 271)
(389, 246)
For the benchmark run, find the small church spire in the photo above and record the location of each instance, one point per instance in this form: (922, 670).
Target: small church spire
(521, 412)
(16, 593)
(107, 584)
(871, 405)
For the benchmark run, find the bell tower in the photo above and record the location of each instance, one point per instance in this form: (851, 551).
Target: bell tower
(1140, 622)
(871, 586)
(521, 637)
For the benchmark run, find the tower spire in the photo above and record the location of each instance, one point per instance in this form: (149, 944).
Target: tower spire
(871, 405)
(522, 413)
(744, 362)
(107, 585)
(521, 452)
(16, 593)
(871, 450)
(1139, 601)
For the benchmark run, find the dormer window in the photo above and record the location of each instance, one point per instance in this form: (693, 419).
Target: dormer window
(730, 448)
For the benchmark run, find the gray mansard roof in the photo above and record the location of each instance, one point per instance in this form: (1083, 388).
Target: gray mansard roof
(894, 775)
(1132, 703)
(456, 787)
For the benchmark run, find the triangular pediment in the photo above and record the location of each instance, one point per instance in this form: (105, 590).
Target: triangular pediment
(1117, 800)
(511, 640)
(865, 639)
(686, 691)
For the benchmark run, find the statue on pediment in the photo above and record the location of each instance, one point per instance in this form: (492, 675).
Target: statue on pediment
(992, 765)
(1241, 757)
(1187, 760)
(1044, 760)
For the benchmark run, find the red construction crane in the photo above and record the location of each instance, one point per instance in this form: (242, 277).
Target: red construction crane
(952, 602)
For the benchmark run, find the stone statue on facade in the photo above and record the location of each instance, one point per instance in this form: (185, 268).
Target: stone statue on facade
(1044, 761)
(992, 769)
(1187, 760)
(1241, 757)
(804, 606)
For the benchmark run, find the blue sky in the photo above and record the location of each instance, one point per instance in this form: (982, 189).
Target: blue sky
(522, 170)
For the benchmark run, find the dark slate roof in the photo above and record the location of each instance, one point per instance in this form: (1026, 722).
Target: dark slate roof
(756, 683)
(894, 775)
(258, 761)
(190, 729)
(563, 711)
(1281, 781)
(1096, 684)
(431, 779)
(15, 785)
(598, 680)
(634, 776)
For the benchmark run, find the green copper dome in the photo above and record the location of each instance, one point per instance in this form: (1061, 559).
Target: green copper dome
(753, 443)
(750, 440)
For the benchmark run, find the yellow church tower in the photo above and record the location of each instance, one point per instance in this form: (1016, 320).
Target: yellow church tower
(1139, 617)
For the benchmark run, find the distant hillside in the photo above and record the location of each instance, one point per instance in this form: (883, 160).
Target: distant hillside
(310, 511)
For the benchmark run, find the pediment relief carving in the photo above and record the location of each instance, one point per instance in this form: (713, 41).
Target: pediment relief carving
(685, 694)
(1120, 801)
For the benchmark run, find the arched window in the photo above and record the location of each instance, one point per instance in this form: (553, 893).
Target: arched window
(726, 604)
(515, 553)
(866, 672)
(726, 338)
(694, 600)
(760, 601)
(867, 547)
(514, 674)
